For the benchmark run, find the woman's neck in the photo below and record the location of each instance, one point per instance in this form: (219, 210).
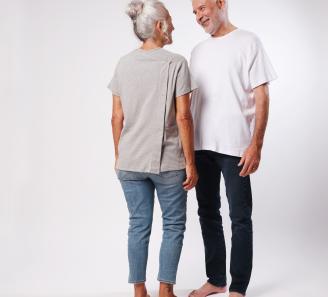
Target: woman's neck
(150, 44)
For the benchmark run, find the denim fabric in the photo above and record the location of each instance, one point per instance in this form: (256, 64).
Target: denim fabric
(139, 189)
(210, 165)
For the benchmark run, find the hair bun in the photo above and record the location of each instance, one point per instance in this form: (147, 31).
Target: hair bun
(135, 8)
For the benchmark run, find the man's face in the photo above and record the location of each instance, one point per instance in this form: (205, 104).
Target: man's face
(207, 15)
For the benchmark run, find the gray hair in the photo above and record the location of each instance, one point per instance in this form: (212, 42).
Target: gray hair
(144, 15)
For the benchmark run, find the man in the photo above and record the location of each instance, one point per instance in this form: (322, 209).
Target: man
(230, 111)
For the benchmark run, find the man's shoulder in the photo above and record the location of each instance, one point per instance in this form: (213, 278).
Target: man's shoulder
(245, 36)
(239, 36)
(199, 45)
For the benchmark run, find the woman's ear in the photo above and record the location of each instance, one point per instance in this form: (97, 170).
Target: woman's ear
(159, 26)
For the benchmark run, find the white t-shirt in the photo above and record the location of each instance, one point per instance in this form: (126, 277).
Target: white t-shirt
(226, 70)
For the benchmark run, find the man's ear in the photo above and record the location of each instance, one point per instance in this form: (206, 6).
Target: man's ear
(221, 4)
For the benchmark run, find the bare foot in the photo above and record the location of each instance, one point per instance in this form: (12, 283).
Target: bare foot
(140, 290)
(236, 294)
(166, 290)
(143, 295)
(206, 290)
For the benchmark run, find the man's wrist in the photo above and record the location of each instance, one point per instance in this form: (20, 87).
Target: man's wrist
(257, 143)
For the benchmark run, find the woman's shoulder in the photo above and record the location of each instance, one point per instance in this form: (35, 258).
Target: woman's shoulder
(174, 57)
(128, 56)
(127, 60)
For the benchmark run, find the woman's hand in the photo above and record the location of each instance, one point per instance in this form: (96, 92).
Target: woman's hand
(192, 177)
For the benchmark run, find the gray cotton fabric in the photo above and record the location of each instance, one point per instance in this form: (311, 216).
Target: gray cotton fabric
(148, 83)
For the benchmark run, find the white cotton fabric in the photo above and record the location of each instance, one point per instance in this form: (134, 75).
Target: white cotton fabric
(226, 70)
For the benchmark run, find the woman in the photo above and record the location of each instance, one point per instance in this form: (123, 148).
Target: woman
(153, 138)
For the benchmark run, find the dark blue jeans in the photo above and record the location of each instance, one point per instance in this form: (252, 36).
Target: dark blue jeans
(210, 165)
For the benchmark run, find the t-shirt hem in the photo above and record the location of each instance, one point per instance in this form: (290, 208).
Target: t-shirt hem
(164, 169)
(187, 91)
(147, 170)
(264, 81)
(235, 152)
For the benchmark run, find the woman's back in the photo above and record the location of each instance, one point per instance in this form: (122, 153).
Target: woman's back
(148, 81)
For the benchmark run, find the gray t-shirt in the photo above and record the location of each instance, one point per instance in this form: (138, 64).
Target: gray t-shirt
(148, 83)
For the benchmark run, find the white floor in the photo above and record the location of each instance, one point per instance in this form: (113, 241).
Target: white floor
(292, 271)
(266, 290)
(289, 269)
(279, 289)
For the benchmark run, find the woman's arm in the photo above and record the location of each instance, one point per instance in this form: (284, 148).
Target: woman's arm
(117, 122)
(186, 132)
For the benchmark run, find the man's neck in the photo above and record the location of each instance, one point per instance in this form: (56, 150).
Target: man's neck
(224, 29)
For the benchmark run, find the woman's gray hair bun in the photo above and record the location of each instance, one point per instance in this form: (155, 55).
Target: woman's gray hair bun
(134, 9)
(144, 15)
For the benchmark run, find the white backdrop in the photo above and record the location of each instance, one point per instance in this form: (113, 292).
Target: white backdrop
(63, 218)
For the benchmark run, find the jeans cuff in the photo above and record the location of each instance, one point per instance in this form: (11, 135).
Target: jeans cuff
(222, 283)
(238, 290)
(166, 281)
(136, 282)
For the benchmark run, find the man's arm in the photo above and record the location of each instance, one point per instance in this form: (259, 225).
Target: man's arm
(252, 156)
(186, 132)
(117, 123)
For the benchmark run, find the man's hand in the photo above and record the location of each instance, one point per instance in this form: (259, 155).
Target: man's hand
(192, 177)
(250, 160)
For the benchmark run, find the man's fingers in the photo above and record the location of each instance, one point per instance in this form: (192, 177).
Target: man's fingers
(245, 168)
(250, 161)
(249, 171)
(249, 168)
(254, 167)
(242, 160)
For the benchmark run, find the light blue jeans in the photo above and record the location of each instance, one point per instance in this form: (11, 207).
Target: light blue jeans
(139, 191)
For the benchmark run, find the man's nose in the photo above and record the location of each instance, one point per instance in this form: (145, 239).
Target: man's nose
(199, 15)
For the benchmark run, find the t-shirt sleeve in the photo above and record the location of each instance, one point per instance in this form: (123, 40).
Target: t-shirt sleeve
(114, 84)
(260, 70)
(194, 85)
(184, 83)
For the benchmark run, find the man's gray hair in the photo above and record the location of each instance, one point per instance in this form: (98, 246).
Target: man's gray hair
(144, 15)
(226, 1)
